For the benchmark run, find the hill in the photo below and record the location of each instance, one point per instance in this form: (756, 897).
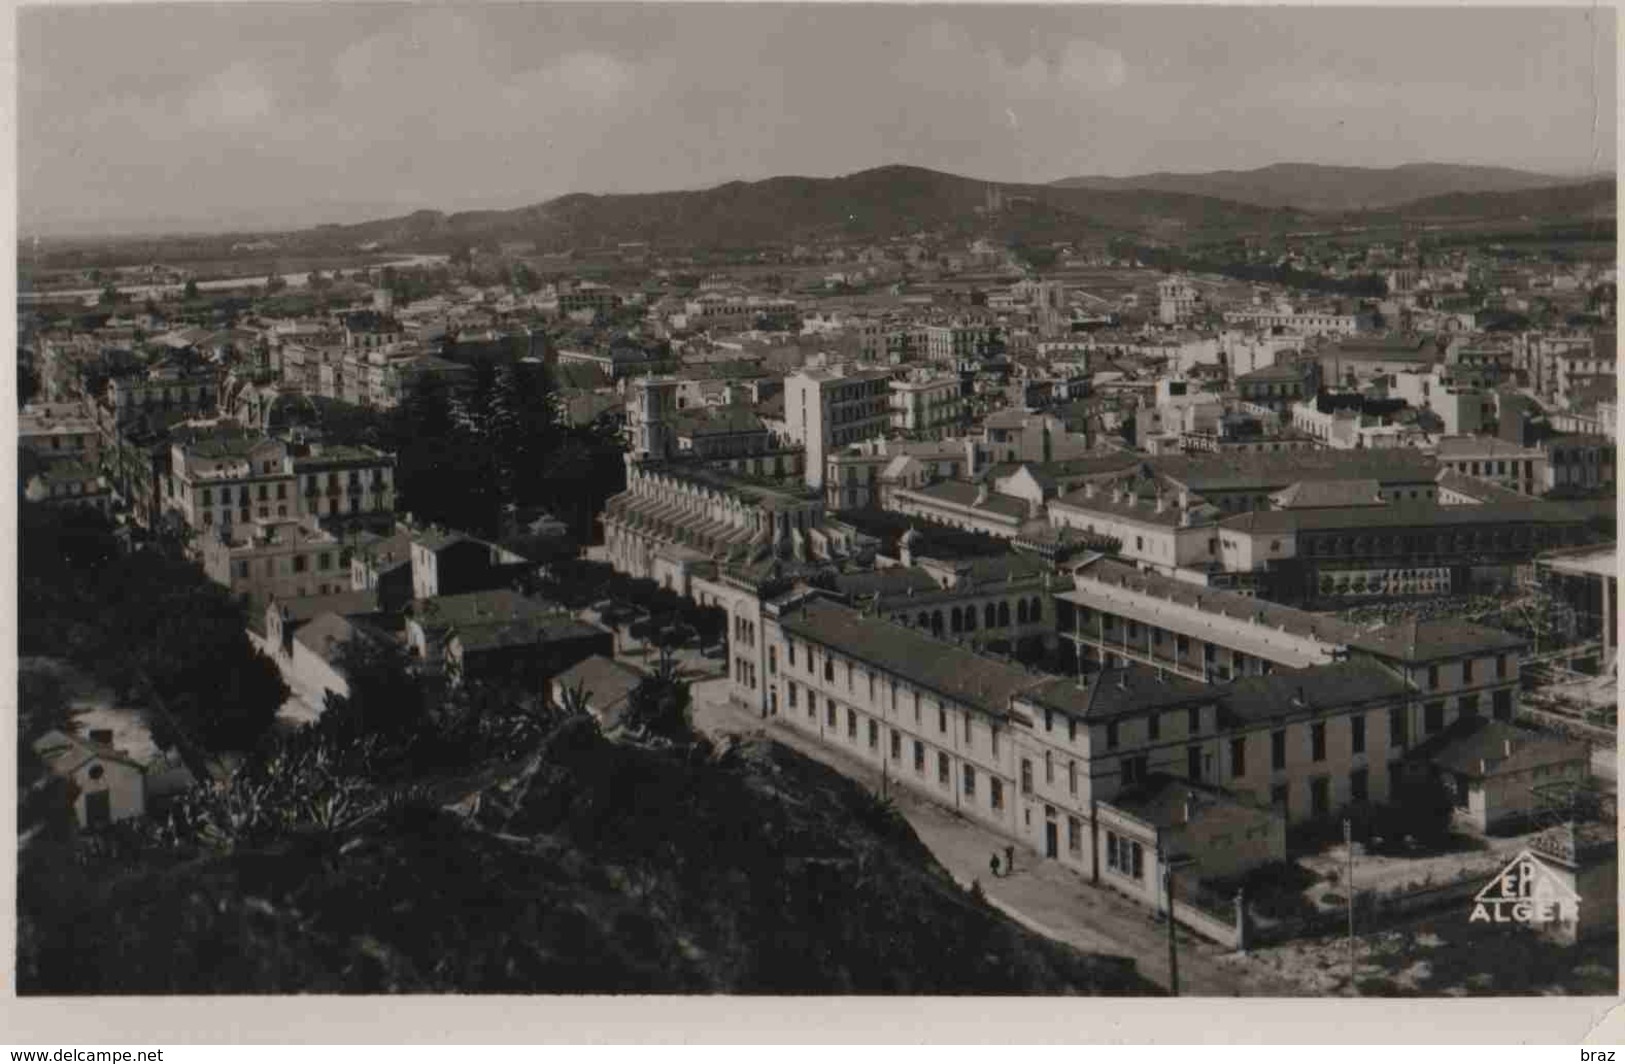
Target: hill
(588, 867)
(878, 204)
(1315, 188)
(1591, 200)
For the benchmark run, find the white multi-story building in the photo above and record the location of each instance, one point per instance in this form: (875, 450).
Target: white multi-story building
(1302, 322)
(1177, 300)
(226, 479)
(926, 404)
(1463, 410)
(825, 409)
(53, 431)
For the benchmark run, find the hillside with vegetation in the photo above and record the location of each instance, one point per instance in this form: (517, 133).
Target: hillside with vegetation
(1317, 188)
(524, 853)
(483, 841)
(873, 205)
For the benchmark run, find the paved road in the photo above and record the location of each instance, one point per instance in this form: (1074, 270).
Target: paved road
(1044, 896)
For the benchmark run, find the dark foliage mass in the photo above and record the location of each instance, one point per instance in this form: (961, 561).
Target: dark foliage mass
(148, 624)
(576, 864)
(464, 454)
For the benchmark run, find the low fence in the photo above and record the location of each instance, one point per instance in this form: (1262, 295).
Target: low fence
(1208, 913)
(1209, 925)
(1371, 912)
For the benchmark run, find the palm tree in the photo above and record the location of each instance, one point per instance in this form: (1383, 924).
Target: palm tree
(574, 700)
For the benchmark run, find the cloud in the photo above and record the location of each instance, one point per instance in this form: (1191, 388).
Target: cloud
(238, 95)
(944, 53)
(1090, 67)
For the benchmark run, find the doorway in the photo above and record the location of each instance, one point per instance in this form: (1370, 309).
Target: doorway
(98, 809)
(1052, 840)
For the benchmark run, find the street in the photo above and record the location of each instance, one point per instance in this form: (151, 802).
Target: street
(1043, 896)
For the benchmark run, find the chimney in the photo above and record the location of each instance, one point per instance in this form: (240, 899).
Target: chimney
(1089, 489)
(1507, 745)
(1190, 806)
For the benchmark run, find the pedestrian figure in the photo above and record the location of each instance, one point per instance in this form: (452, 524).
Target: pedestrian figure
(1009, 859)
(993, 864)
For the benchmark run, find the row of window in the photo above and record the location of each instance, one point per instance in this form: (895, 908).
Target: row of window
(994, 615)
(1198, 763)
(1124, 856)
(334, 507)
(378, 480)
(299, 563)
(1428, 542)
(1320, 792)
(1212, 669)
(1495, 468)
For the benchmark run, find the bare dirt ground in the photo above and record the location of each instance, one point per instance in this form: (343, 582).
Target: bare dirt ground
(1383, 874)
(1443, 954)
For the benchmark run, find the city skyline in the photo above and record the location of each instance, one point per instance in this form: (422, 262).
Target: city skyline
(306, 115)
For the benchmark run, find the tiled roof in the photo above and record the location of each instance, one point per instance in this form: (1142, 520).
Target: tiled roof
(521, 631)
(65, 752)
(1122, 692)
(1264, 471)
(961, 493)
(1456, 447)
(1316, 494)
(899, 580)
(479, 607)
(1415, 640)
(388, 552)
(344, 603)
(607, 683)
(1478, 748)
(1286, 371)
(438, 539)
(951, 671)
(327, 634)
(1404, 514)
(1286, 692)
(1167, 801)
(1242, 609)
(1483, 490)
(717, 421)
(1132, 507)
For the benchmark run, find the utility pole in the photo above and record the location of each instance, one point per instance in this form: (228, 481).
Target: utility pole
(1348, 842)
(1169, 863)
(1173, 945)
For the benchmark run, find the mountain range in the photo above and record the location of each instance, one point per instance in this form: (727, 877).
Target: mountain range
(901, 201)
(1328, 189)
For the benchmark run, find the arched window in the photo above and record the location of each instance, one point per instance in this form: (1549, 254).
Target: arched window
(1035, 610)
(1021, 611)
(990, 616)
(936, 622)
(970, 618)
(925, 619)
(956, 621)
(1004, 615)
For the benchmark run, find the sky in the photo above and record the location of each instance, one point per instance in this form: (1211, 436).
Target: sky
(144, 118)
